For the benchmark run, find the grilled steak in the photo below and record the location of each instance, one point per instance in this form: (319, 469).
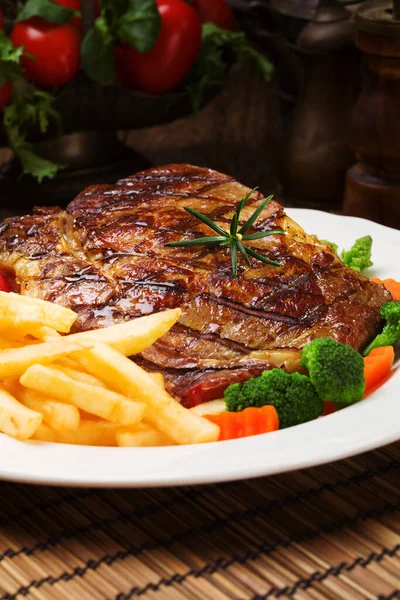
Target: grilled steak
(105, 257)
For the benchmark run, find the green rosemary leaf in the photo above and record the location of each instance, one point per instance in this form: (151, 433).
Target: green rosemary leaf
(206, 220)
(263, 259)
(234, 223)
(243, 252)
(234, 257)
(255, 215)
(243, 202)
(232, 238)
(262, 234)
(212, 239)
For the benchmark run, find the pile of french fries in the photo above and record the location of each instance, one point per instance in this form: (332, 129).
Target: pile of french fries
(81, 388)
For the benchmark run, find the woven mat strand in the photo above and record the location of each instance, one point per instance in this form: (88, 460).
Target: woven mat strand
(322, 534)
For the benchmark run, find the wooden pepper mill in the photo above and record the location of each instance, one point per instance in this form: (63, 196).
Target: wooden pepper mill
(373, 184)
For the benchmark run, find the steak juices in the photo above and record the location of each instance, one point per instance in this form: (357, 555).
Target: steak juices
(105, 258)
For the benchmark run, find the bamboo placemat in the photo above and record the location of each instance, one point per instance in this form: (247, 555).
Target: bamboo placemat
(330, 532)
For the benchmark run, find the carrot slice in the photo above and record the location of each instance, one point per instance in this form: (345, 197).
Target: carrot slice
(250, 421)
(377, 365)
(391, 285)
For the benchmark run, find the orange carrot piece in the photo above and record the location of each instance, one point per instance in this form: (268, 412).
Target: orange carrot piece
(391, 285)
(250, 421)
(377, 365)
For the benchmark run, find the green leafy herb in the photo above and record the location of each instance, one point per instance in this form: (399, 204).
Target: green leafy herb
(358, 257)
(233, 237)
(97, 53)
(140, 25)
(48, 10)
(10, 67)
(211, 67)
(30, 107)
(138, 22)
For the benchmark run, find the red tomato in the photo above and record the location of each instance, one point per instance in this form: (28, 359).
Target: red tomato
(55, 48)
(174, 53)
(215, 11)
(3, 284)
(73, 5)
(1, 20)
(5, 95)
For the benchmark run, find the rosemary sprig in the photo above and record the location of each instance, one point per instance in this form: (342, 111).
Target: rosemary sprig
(233, 238)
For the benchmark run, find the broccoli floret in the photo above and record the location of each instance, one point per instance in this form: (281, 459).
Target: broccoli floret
(336, 370)
(293, 396)
(358, 257)
(391, 330)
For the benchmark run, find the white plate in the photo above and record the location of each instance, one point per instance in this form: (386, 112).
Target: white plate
(369, 424)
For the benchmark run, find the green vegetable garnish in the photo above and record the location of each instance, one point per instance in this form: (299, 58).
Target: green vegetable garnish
(336, 370)
(233, 238)
(358, 257)
(293, 396)
(10, 67)
(391, 331)
(29, 107)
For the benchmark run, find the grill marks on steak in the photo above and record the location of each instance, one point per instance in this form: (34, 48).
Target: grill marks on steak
(105, 257)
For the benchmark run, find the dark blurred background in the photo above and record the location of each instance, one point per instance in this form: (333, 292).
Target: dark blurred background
(329, 114)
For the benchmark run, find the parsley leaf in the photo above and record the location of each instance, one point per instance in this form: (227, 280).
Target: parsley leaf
(30, 107)
(10, 67)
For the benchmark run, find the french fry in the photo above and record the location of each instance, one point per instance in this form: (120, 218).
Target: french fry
(70, 363)
(14, 361)
(92, 399)
(16, 420)
(136, 335)
(45, 334)
(23, 312)
(90, 433)
(11, 385)
(6, 343)
(123, 375)
(79, 375)
(144, 435)
(57, 415)
(69, 366)
(44, 433)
